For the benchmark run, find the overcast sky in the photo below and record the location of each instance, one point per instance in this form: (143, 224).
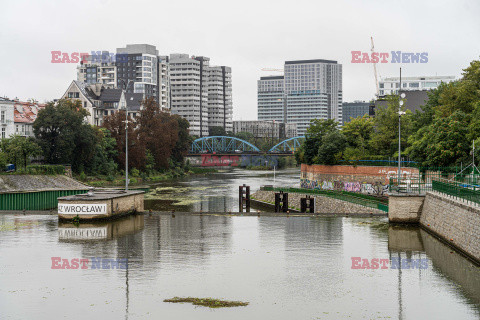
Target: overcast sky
(245, 35)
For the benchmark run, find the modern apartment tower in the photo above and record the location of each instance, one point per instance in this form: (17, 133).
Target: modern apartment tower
(184, 85)
(219, 85)
(200, 93)
(98, 68)
(188, 94)
(271, 99)
(312, 89)
(139, 63)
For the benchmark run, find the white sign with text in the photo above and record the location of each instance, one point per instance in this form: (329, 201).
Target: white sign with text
(82, 208)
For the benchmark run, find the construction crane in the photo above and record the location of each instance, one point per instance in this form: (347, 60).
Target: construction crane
(375, 70)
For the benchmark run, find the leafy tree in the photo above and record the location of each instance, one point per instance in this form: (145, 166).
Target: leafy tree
(115, 124)
(18, 150)
(159, 131)
(105, 154)
(313, 139)
(3, 160)
(446, 142)
(384, 140)
(461, 95)
(184, 141)
(332, 146)
(357, 133)
(63, 134)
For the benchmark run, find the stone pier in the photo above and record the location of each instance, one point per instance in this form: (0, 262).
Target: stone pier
(98, 205)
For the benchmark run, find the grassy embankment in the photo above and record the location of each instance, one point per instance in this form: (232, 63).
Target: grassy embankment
(141, 178)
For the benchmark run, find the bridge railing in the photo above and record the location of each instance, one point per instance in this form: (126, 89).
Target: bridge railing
(361, 199)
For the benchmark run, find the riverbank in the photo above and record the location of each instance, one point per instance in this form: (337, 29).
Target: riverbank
(140, 179)
(29, 183)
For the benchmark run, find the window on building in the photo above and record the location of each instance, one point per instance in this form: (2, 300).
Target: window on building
(381, 85)
(414, 85)
(2, 119)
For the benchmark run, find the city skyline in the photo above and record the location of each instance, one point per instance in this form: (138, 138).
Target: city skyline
(246, 48)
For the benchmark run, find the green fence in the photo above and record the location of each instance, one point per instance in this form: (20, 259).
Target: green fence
(459, 190)
(361, 199)
(423, 181)
(41, 200)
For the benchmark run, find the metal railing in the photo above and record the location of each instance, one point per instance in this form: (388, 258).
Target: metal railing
(360, 199)
(422, 182)
(458, 190)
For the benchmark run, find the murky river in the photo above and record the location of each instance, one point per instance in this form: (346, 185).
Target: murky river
(286, 268)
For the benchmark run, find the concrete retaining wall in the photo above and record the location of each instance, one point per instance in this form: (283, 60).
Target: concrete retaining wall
(454, 221)
(322, 204)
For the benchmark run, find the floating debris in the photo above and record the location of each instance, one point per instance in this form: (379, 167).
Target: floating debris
(208, 302)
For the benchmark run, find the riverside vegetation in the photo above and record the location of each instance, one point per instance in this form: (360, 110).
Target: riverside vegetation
(157, 143)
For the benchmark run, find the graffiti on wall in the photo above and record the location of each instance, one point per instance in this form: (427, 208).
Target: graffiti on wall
(367, 188)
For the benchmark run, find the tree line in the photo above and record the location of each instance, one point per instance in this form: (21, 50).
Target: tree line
(157, 141)
(442, 134)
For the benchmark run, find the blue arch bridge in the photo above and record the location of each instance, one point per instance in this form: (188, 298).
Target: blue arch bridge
(232, 145)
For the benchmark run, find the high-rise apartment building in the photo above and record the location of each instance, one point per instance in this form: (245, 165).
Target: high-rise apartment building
(271, 99)
(139, 63)
(187, 86)
(219, 86)
(390, 85)
(188, 94)
(200, 93)
(309, 89)
(98, 68)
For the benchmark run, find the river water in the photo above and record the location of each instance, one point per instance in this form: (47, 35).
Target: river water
(286, 268)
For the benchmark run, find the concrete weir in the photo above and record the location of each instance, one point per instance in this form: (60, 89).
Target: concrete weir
(100, 205)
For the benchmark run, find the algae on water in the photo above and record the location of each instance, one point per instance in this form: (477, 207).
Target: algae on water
(208, 302)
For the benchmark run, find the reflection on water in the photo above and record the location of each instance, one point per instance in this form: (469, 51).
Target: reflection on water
(287, 268)
(214, 192)
(100, 230)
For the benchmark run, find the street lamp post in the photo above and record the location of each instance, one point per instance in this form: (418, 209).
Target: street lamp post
(124, 91)
(400, 113)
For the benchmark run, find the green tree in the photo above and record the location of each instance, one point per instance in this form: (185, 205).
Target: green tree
(18, 150)
(357, 133)
(313, 139)
(103, 161)
(384, 141)
(3, 160)
(63, 134)
(331, 148)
